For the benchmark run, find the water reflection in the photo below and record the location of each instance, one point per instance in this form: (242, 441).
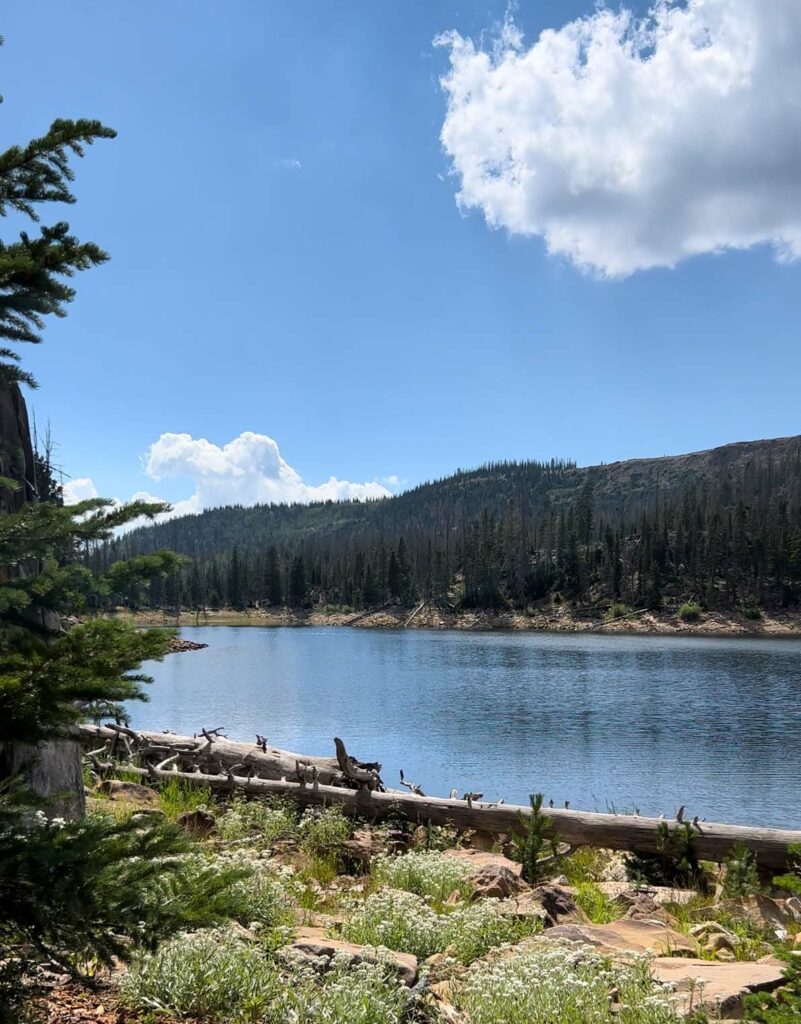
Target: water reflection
(626, 721)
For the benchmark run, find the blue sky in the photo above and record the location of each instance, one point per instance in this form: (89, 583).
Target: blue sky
(288, 258)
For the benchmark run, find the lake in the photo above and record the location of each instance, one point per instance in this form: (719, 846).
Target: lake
(626, 722)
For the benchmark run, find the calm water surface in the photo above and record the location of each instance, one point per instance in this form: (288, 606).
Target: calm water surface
(628, 722)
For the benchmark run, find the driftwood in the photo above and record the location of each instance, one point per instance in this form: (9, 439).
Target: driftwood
(357, 791)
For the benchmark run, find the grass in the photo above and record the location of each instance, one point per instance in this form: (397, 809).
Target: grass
(598, 907)
(690, 612)
(585, 865)
(177, 797)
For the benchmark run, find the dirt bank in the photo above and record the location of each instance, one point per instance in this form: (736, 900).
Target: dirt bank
(553, 619)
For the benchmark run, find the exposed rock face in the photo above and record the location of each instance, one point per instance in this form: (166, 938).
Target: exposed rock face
(710, 984)
(314, 944)
(558, 904)
(481, 859)
(627, 937)
(496, 882)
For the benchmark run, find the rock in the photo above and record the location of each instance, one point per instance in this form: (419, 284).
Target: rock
(178, 645)
(197, 823)
(398, 841)
(558, 904)
(793, 907)
(717, 987)
(629, 893)
(762, 911)
(129, 792)
(496, 882)
(357, 852)
(313, 943)
(627, 937)
(480, 859)
(525, 906)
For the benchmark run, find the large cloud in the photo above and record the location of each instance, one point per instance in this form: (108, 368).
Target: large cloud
(247, 471)
(630, 144)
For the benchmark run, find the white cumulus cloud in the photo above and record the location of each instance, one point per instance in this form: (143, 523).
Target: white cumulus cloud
(80, 489)
(248, 470)
(628, 144)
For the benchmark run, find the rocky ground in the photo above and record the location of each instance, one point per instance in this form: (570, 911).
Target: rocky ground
(554, 618)
(424, 924)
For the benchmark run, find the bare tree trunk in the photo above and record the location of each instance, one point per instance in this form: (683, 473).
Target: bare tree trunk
(54, 772)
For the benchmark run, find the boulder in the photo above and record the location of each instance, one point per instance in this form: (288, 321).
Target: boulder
(496, 882)
(627, 937)
(713, 985)
(197, 823)
(313, 944)
(357, 852)
(558, 904)
(481, 859)
(129, 792)
(762, 911)
(629, 892)
(526, 906)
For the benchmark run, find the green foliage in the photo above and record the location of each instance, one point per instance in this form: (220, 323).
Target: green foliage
(782, 1007)
(561, 984)
(80, 891)
(321, 832)
(791, 880)
(598, 907)
(258, 822)
(617, 610)
(217, 977)
(530, 840)
(177, 796)
(690, 612)
(433, 876)
(741, 877)
(675, 864)
(210, 975)
(406, 923)
(586, 864)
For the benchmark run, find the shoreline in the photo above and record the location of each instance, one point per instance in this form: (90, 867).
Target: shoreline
(712, 624)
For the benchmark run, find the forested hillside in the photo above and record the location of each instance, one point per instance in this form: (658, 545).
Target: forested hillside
(719, 527)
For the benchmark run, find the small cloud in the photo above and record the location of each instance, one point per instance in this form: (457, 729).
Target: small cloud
(81, 488)
(393, 480)
(289, 164)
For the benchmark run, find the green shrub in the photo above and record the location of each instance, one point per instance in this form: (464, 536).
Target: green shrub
(585, 864)
(741, 878)
(617, 610)
(751, 610)
(595, 904)
(398, 920)
(322, 832)
(561, 984)
(530, 840)
(791, 881)
(404, 922)
(433, 876)
(209, 974)
(92, 889)
(783, 1006)
(690, 612)
(675, 864)
(260, 822)
(216, 977)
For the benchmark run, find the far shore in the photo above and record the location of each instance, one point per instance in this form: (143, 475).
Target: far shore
(552, 620)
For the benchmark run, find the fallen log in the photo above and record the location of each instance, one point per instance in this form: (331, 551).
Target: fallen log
(713, 841)
(209, 752)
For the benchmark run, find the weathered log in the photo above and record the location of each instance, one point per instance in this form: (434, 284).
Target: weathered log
(211, 750)
(627, 832)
